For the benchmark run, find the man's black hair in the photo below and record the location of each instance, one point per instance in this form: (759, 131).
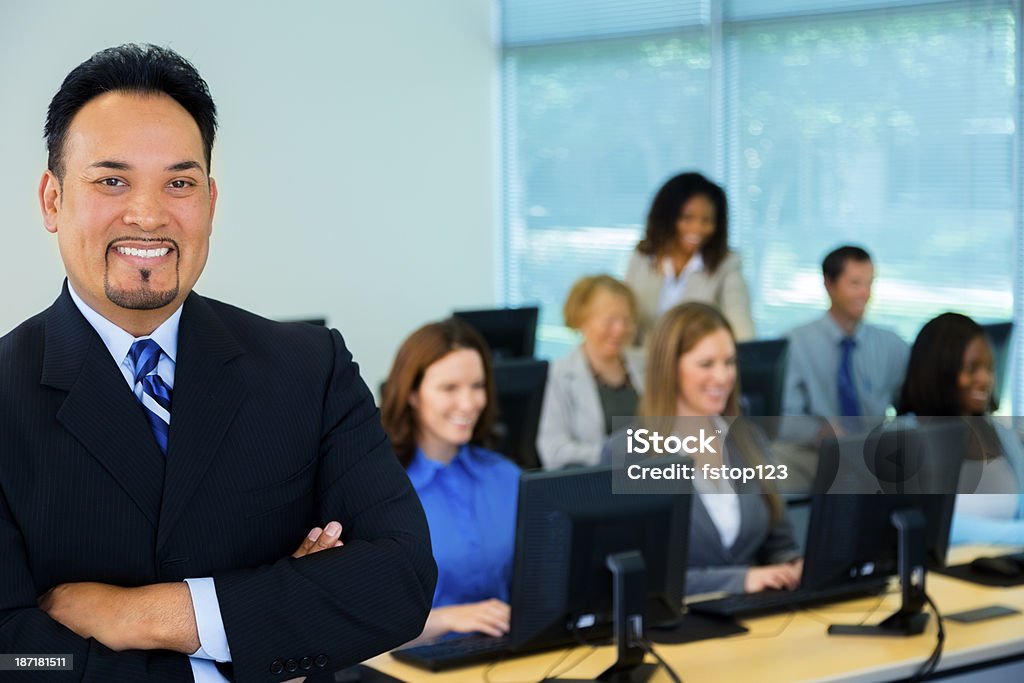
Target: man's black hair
(131, 68)
(833, 265)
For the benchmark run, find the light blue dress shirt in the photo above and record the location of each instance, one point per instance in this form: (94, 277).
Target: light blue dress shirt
(213, 641)
(879, 363)
(471, 511)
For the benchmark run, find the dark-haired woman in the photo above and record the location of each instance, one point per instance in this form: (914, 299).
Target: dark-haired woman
(438, 409)
(685, 256)
(950, 373)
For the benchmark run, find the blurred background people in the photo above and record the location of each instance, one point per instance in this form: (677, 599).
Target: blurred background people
(439, 411)
(838, 364)
(741, 539)
(595, 381)
(951, 373)
(685, 256)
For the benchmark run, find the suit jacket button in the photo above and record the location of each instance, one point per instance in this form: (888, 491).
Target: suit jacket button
(306, 663)
(276, 666)
(291, 666)
(320, 661)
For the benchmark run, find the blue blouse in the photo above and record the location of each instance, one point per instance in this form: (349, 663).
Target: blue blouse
(471, 511)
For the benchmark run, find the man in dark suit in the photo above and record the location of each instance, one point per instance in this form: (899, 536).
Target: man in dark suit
(163, 454)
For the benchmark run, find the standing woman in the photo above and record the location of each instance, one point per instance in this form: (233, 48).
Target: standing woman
(595, 381)
(740, 536)
(438, 409)
(685, 256)
(950, 373)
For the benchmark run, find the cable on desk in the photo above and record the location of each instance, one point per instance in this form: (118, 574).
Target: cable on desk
(647, 647)
(581, 642)
(820, 614)
(932, 662)
(790, 617)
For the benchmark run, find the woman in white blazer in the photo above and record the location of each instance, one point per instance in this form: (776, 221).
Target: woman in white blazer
(685, 256)
(595, 382)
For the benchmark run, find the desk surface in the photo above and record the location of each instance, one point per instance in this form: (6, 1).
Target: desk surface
(792, 647)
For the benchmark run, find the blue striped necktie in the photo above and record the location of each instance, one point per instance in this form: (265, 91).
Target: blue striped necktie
(151, 391)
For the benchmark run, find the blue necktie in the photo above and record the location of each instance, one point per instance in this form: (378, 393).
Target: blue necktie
(849, 404)
(152, 392)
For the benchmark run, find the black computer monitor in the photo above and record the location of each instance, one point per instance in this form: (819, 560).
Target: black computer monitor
(999, 334)
(519, 385)
(762, 371)
(321, 322)
(509, 332)
(852, 538)
(569, 522)
(902, 456)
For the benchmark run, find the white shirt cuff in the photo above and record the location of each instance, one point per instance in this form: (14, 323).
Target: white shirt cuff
(205, 671)
(213, 641)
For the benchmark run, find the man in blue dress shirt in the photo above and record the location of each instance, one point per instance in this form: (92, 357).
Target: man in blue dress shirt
(838, 364)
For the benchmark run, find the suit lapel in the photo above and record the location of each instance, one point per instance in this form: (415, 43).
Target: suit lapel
(100, 409)
(208, 390)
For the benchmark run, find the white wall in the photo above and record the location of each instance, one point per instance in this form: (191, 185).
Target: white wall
(354, 160)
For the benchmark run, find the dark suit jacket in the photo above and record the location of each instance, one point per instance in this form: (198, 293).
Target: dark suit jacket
(272, 433)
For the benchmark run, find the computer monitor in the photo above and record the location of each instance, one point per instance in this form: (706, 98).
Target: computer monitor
(900, 530)
(519, 385)
(999, 334)
(321, 322)
(509, 332)
(569, 522)
(851, 537)
(902, 456)
(762, 370)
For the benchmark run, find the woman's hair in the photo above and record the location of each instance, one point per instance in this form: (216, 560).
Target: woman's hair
(930, 387)
(423, 348)
(583, 291)
(676, 333)
(667, 207)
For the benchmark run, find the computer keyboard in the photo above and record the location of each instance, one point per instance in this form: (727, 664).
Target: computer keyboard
(449, 653)
(768, 602)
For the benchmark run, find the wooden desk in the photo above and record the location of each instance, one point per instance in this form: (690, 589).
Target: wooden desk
(794, 647)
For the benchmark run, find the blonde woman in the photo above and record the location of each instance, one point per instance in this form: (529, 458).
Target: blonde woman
(595, 381)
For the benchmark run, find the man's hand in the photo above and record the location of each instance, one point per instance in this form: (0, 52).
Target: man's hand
(155, 617)
(320, 539)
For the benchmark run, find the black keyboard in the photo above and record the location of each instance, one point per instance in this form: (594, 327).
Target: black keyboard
(771, 601)
(449, 653)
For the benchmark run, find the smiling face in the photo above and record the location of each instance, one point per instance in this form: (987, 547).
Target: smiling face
(607, 325)
(975, 379)
(451, 396)
(851, 291)
(695, 225)
(134, 212)
(707, 375)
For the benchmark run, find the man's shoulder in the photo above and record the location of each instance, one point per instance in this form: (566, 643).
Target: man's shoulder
(882, 335)
(25, 337)
(807, 331)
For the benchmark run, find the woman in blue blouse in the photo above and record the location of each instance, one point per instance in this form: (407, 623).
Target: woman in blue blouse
(438, 408)
(950, 373)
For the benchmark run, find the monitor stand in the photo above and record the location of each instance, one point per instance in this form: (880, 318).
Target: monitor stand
(909, 619)
(628, 610)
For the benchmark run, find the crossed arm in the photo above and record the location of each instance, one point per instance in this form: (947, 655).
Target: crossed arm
(155, 617)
